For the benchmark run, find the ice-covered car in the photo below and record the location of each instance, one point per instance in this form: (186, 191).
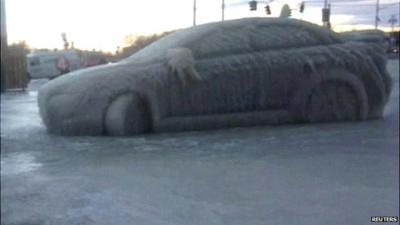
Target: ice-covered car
(246, 72)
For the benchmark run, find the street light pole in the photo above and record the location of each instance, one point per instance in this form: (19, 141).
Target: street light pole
(377, 14)
(194, 12)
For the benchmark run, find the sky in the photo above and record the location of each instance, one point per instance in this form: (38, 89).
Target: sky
(103, 24)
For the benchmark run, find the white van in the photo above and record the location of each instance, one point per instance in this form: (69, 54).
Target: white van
(52, 64)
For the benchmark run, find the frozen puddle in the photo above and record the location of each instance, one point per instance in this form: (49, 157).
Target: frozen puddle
(18, 163)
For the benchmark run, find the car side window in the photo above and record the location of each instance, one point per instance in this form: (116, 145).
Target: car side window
(274, 36)
(50, 60)
(223, 41)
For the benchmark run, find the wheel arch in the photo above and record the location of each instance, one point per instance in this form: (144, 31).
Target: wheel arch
(121, 100)
(300, 97)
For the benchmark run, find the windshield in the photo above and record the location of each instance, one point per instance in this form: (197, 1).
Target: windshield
(179, 39)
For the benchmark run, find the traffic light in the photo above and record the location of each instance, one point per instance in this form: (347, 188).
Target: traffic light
(268, 10)
(253, 5)
(326, 12)
(286, 12)
(302, 7)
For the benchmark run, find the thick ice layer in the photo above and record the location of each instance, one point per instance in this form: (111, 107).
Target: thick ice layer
(247, 72)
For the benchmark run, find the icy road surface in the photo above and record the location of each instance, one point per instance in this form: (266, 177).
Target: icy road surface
(326, 174)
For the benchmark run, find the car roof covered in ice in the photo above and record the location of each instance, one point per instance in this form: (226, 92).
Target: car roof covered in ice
(248, 34)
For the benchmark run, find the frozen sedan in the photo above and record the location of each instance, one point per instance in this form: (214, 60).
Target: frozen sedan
(246, 72)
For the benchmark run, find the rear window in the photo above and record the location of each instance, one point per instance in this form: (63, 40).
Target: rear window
(272, 37)
(256, 36)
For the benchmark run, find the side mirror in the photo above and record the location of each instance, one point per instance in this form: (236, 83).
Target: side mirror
(180, 62)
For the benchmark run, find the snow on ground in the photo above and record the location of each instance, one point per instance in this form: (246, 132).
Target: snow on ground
(298, 174)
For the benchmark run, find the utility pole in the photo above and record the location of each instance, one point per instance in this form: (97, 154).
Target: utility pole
(4, 51)
(223, 10)
(194, 12)
(377, 14)
(195, 9)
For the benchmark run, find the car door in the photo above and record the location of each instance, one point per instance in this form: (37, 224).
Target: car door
(225, 62)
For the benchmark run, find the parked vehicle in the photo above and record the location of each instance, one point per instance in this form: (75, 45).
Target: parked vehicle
(51, 64)
(94, 60)
(246, 72)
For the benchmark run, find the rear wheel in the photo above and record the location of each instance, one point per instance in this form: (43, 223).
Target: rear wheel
(127, 115)
(333, 101)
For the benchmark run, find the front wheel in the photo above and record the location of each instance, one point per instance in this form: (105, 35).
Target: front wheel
(127, 115)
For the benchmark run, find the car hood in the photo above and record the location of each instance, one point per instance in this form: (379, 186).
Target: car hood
(76, 102)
